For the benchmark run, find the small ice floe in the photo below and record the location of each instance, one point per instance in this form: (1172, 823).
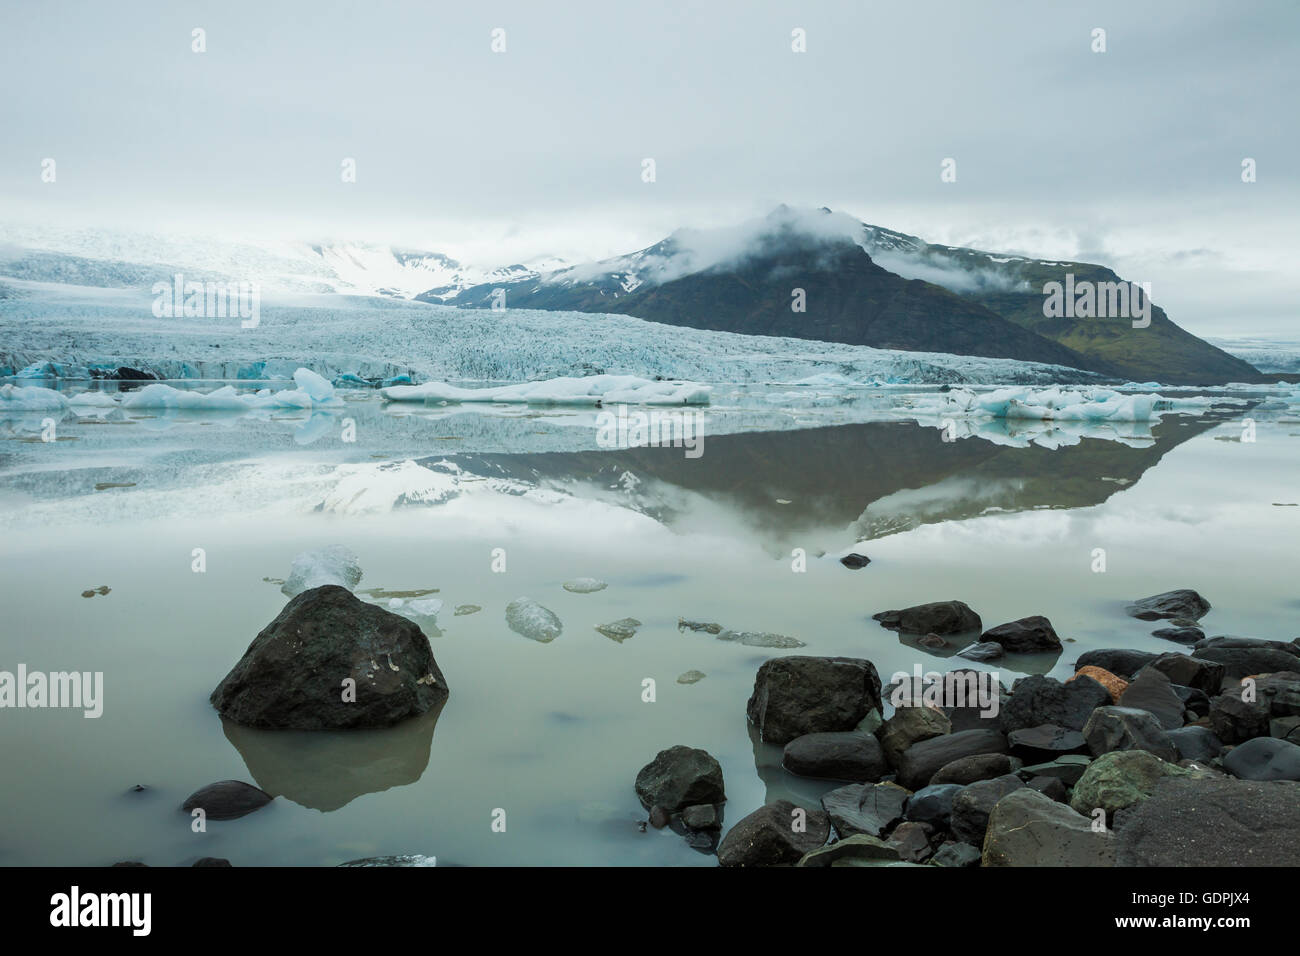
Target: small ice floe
(591, 390)
(619, 630)
(526, 617)
(584, 585)
(32, 398)
(334, 564)
(463, 609)
(1065, 404)
(760, 639)
(93, 400)
(692, 677)
(415, 607)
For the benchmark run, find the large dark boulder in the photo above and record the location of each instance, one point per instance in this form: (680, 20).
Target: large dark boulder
(1195, 743)
(939, 617)
(933, 804)
(921, 761)
(680, 777)
(774, 835)
(1184, 603)
(966, 770)
(1028, 828)
(836, 755)
(1037, 700)
(295, 674)
(794, 696)
(1029, 635)
(1045, 742)
(1236, 716)
(1215, 822)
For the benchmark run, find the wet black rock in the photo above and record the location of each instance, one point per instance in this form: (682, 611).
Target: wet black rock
(702, 816)
(680, 777)
(1045, 742)
(125, 373)
(939, 617)
(774, 835)
(1180, 635)
(912, 841)
(971, 807)
(933, 804)
(908, 726)
(1184, 603)
(1029, 828)
(1151, 691)
(1195, 701)
(794, 696)
(1190, 671)
(921, 761)
(836, 755)
(1037, 700)
(1050, 786)
(1195, 743)
(1029, 635)
(1264, 758)
(966, 770)
(1127, 728)
(956, 854)
(206, 861)
(1239, 662)
(1235, 716)
(1212, 822)
(297, 673)
(1120, 661)
(1067, 769)
(855, 561)
(227, 800)
(871, 808)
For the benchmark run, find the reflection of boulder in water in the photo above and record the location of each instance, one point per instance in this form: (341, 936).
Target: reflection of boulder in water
(327, 769)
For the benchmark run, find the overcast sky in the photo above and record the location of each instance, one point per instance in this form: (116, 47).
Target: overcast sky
(1131, 156)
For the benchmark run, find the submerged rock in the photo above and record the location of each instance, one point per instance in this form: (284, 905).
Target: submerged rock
(708, 627)
(332, 661)
(939, 617)
(1183, 603)
(227, 800)
(312, 569)
(691, 677)
(1181, 635)
(794, 696)
(526, 617)
(760, 639)
(982, 651)
(463, 609)
(680, 777)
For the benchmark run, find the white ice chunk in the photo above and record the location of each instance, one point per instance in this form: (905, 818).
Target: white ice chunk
(525, 616)
(31, 399)
(334, 564)
(591, 390)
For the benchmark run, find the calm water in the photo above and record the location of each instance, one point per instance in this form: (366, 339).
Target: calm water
(555, 733)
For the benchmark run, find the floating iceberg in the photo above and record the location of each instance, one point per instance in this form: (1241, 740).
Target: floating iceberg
(1065, 405)
(525, 616)
(313, 391)
(592, 390)
(313, 569)
(16, 398)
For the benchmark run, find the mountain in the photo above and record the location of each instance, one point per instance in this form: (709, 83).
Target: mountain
(744, 281)
(865, 285)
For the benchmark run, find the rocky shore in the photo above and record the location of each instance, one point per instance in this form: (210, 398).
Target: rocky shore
(1184, 758)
